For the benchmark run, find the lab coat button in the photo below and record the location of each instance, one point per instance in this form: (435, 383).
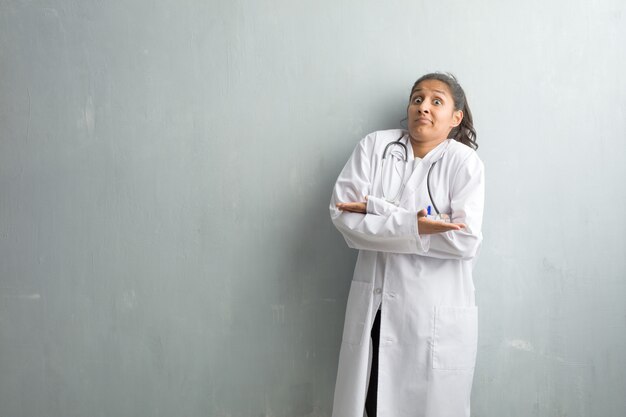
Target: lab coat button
(378, 291)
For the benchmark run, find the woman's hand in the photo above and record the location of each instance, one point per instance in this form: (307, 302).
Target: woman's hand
(426, 226)
(353, 207)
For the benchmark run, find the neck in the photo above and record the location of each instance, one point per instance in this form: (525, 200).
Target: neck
(420, 149)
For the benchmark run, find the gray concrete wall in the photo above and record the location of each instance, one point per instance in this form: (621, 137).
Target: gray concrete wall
(165, 170)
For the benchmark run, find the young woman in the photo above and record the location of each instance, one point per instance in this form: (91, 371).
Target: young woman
(412, 202)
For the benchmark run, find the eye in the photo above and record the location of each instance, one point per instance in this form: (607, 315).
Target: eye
(437, 102)
(417, 100)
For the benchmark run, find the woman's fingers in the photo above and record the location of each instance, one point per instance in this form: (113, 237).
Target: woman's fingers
(427, 226)
(353, 207)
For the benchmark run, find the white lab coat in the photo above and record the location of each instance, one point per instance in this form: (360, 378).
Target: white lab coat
(428, 334)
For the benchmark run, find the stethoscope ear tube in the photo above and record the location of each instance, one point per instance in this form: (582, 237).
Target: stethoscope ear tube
(405, 151)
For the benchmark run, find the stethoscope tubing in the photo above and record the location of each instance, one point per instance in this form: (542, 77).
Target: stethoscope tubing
(428, 187)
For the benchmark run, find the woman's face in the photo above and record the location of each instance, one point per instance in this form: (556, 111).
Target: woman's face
(431, 113)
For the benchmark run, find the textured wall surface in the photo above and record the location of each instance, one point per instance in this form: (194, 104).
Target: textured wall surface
(165, 170)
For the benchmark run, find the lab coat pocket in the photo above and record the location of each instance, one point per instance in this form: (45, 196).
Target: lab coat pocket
(358, 312)
(455, 337)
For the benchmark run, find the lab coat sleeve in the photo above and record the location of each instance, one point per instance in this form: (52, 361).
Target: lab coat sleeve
(385, 227)
(467, 195)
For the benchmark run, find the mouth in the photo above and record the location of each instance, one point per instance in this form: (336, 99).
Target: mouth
(423, 120)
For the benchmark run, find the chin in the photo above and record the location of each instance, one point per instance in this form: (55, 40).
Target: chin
(418, 136)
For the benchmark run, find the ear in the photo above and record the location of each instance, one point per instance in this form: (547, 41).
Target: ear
(457, 117)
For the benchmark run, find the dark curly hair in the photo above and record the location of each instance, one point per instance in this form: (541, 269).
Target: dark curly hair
(464, 132)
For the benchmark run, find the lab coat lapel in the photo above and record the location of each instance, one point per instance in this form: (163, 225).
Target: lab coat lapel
(421, 171)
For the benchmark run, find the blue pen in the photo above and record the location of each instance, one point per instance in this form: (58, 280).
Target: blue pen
(428, 210)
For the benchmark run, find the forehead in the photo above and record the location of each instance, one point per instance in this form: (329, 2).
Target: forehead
(432, 87)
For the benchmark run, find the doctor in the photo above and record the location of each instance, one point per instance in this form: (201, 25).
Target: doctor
(410, 333)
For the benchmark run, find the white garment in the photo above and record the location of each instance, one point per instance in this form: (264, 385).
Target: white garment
(428, 334)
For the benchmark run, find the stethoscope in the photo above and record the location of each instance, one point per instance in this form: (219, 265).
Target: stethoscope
(405, 153)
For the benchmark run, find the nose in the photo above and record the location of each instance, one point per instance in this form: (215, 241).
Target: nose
(423, 108)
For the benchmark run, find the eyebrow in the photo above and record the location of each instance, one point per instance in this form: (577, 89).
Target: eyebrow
(438, 91)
